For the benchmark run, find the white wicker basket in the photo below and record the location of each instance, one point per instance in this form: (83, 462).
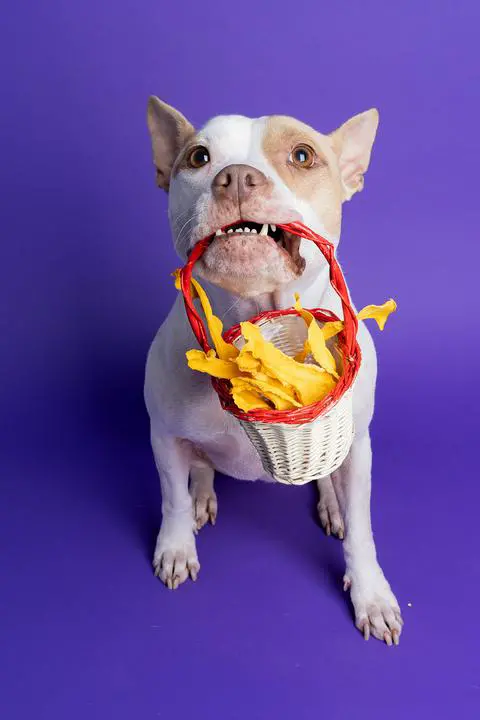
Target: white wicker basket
(298, 454)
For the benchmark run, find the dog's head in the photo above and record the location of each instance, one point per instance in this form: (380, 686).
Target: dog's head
(238, 178)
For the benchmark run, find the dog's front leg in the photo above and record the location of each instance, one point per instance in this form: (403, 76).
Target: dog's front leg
(376, 608)
(175, 557)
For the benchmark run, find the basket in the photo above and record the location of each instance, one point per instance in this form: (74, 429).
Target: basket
(303, 444)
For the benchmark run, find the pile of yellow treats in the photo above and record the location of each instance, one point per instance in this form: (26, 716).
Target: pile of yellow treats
(261, 375)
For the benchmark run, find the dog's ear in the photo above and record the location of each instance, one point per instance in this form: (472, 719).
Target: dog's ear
(353, 143)
(169, 131)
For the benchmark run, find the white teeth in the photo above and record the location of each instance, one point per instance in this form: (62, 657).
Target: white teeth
(274, 227)
(242, 230)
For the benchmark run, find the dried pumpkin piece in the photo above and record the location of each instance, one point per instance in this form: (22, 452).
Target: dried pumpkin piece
(315, 343)
(247, 363)
(379, 313)
(247, 400)
(330, 329)
(310, 382)
(281, 400)
(225, 351)
(278, 402)
(274, 402)
(266, 377)
(210, 364)
(250, 366)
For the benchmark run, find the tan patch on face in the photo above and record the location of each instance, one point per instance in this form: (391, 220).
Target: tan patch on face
(320, 184)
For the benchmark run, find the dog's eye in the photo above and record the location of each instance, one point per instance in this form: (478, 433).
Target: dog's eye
(198, 157)
(303, 156)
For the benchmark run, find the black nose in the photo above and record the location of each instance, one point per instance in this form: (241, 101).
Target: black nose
(237, 182)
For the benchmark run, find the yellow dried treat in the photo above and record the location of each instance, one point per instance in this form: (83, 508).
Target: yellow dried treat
(247, 363)
(315, 343)
(310, 382)
(331, 329)
(266, 377)
(210, 364)
(281, 400)
(225, 351)
(248, 400)
(379, 313)
(176, 275)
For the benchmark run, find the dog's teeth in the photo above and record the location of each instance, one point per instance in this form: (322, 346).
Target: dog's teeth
(253, 231)
(246, 229)
(274, 227)
(230, 230)
(219, 232)
(264, 230)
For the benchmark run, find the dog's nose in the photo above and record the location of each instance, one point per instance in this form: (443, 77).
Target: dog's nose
(237, 182)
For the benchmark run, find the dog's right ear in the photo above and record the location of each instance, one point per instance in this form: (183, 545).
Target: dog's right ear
(169, 131)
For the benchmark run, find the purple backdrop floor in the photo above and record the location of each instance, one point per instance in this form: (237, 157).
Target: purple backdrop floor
(266, 632)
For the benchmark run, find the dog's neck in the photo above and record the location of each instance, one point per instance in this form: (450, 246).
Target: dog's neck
(232, 309)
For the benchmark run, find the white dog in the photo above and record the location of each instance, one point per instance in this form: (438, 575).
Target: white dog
(256, 173)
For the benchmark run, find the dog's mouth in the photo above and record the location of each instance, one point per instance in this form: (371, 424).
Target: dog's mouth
(243, 230)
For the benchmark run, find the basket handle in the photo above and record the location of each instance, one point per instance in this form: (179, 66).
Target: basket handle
(337, 282)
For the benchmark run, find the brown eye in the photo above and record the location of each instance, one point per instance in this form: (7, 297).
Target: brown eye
(303, 156)
(198, 157)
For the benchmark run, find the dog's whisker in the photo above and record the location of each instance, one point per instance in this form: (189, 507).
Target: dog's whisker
(176, 222)
(185, 224)
(184, 231)
(232, 306)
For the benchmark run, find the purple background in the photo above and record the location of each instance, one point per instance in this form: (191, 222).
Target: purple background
(87, 632)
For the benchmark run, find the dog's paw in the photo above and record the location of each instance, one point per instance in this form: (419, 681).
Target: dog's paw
(205, 508)
(175, 558)
(377, 612)
(204, 499)
(329, 510)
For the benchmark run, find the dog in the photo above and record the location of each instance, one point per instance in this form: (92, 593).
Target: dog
(253, 175)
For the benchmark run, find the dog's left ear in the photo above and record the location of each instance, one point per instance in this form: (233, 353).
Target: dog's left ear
(169, 130)
(352, 143)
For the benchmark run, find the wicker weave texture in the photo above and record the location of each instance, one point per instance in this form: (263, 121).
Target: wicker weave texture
(298, 454)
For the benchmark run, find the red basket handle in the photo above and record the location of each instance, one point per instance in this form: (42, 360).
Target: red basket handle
(337, 282)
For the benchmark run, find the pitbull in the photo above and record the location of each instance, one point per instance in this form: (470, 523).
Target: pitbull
(250, 175)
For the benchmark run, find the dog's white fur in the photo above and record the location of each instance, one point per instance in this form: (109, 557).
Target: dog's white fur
(191, 436)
